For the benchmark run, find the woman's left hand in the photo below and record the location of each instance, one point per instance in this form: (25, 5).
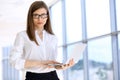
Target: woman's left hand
(65, 66)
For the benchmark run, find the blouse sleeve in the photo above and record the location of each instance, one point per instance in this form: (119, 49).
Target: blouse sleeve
(16, 53)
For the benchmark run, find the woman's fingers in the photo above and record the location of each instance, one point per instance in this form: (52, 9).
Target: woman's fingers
(51, 63)
(71, 63)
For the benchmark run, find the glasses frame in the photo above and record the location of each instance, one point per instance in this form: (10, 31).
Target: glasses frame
(42, 16)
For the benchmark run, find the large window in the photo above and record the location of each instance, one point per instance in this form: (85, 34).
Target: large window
(100, 59)
(118, 13)
(73, 21)
(97, 63)
(98, 17)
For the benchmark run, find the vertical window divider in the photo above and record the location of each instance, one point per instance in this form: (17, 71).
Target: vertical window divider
(114, 41)
(84, 38)
(64, 38)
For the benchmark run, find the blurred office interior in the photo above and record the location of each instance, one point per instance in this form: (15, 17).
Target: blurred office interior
(94, 22)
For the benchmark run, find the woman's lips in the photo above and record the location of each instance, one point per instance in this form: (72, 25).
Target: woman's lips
(39, 23)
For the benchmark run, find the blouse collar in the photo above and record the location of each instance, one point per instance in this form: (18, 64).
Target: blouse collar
(38, 38)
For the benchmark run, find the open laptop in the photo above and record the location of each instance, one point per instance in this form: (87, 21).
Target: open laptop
(74, 54)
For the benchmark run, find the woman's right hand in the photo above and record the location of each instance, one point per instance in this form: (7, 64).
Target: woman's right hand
(45, 63)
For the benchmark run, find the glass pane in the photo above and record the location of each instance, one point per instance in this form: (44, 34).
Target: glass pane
(73, 21)
(57, 21)
(98, 17)
(118, 13)
(8, 72)
(119, 43)
(100, 59)
(75, 72)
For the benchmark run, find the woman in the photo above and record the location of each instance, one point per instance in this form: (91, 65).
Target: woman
(35, 49)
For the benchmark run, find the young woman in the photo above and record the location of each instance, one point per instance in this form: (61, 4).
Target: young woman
(35, 49)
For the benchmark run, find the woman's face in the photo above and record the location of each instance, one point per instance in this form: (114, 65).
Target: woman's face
(39, 18)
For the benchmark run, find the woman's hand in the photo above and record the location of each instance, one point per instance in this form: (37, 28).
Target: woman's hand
(49, 63)
(34, 63)
(65, 66)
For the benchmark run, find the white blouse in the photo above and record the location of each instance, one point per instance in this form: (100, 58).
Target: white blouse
(25, 49)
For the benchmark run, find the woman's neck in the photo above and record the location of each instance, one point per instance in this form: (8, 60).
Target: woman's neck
(40, 31)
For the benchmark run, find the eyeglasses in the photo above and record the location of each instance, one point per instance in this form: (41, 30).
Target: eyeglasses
(42, 16)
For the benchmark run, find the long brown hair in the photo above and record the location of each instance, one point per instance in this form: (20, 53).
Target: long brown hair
(30, 25)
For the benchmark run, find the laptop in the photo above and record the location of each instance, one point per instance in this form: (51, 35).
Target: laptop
(74, 54)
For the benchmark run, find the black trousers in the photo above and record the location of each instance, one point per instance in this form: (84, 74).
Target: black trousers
(42, 76)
